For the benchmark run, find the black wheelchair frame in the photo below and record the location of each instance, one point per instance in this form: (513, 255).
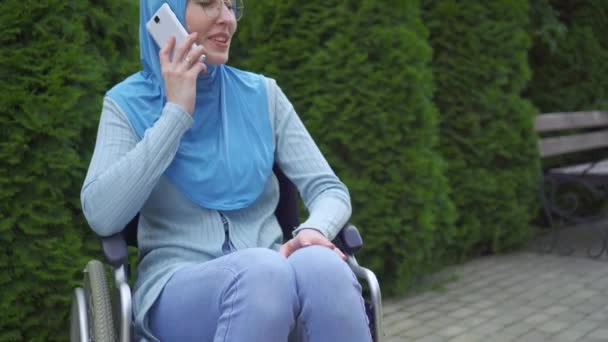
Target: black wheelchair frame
(85, 304)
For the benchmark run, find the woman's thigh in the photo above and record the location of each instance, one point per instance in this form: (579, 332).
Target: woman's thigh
(187, 308)
(233, 297)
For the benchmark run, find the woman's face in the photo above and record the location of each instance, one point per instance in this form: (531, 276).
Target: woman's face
(215, 34)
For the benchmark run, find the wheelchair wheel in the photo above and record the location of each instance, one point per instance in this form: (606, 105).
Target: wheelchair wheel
(99, 303)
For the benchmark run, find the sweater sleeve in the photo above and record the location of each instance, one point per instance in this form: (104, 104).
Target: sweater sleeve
(325, 196)
(124, 169)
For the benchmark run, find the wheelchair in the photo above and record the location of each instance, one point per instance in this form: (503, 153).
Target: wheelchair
(102, 313)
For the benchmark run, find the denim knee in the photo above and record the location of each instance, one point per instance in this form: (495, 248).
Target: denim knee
(318, 262)
(267, 283)
(327, 289)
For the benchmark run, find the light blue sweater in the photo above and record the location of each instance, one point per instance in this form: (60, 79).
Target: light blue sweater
(126, 177)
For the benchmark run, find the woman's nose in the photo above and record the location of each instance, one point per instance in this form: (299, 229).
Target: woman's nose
(226, 14)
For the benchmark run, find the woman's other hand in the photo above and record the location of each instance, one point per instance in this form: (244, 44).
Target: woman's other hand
(180, 72)
(305, 238)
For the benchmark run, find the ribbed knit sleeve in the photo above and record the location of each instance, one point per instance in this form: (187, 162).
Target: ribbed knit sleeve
(124, 169)
(325, 196)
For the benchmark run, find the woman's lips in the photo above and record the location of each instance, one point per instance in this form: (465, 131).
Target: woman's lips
(223, 45)
(221, 40)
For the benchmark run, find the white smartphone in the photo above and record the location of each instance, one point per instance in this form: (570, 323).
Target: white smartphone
(164, 24)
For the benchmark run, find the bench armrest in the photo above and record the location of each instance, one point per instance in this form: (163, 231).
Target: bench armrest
(115, 249)
(349, 240)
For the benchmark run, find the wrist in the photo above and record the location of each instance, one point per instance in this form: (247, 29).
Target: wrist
(303, 229)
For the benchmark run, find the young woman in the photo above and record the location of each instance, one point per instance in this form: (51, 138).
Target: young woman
(190, 146)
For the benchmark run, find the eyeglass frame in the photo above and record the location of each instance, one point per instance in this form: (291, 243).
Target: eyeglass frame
(235, 9)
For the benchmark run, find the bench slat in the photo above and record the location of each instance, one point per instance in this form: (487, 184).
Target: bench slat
(573, 143)
(560, 121)
(598, 169)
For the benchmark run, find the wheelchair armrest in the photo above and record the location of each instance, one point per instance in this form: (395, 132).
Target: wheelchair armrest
(349, 240)
(115, 249)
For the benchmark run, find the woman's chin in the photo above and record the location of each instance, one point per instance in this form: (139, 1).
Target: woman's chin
(216, 60)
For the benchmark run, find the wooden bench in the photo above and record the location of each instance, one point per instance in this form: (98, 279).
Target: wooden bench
(567, 189)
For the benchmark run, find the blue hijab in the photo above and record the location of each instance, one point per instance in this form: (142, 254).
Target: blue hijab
(224, 160)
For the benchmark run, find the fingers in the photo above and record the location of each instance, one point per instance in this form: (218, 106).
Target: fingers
(182, 49)
(326, 243)
(198, 68)
(340, 253)
(165, 52)
(287, 248)
(300, 241)
(193, 60)
(284, 250)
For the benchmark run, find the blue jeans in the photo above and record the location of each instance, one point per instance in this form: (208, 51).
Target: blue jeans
(257, 295)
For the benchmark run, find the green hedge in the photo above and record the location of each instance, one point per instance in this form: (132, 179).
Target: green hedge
(358, 74)
(570, 62)
(52, 76)
(362, 75)
(480, 66)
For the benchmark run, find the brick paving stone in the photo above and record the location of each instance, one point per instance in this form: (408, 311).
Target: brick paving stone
(569, 335)
(501, 338)
(389, 307)
(586, 293)
(537, 318)
(524, 311)
(467, 337)
(441, 322)
(599, 316)
(418, 331)
(586, 326)
(570, 317)
(553, 327)
(501, 296)
(401, 326)
(431, 314)
(542, 302)
(556, 309)
(396, 318)
(518, 329)
(534, 336)
(450, 307)
(462, 312)
(472, 297)
(483, 304)
(451, 331)
(431, 338)
(393, 339)
(590, 306)
(599, 334)
(490, 312)
(486, 329)
(507, 319)
(473, 321)
(420, 307)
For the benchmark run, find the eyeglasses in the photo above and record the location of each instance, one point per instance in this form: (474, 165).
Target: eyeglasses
(213, 8)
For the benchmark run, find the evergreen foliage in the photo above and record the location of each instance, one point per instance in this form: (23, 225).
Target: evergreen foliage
(570, 67)
(480, 67)
(358, 74)
(55, 63)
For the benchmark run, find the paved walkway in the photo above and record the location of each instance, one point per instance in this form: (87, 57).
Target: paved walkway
(522, 296)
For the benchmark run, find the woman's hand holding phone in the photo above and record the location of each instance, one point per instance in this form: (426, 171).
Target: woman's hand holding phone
(181, 72)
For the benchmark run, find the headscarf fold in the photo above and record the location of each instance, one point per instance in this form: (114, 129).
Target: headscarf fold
(224, 160)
